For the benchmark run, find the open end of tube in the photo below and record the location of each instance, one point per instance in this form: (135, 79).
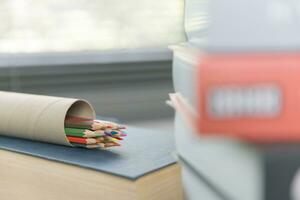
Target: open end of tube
(80, 115)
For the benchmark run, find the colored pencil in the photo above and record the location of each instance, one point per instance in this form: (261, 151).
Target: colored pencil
(86, 123)
(113, 132)
(111, 144)
(111, 125)
(98, 126)
(118, 138)
(83, 123)
(111, 135)
(89, 146)
(107, 139)
(78, 122)
(82, 140)
(83, 132)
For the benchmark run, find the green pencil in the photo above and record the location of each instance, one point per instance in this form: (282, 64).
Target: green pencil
(77, 132)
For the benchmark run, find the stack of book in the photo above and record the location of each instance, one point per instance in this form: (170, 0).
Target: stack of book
(143, 168)
(237, 120)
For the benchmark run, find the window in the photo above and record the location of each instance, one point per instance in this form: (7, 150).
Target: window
(30, 26)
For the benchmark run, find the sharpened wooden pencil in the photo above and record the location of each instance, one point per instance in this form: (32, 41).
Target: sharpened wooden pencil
(113, 132)
(83, 133)
(110, 125)
(82, 140)
(89, 146)
(111, 144)
(85, 123)
(78, 122)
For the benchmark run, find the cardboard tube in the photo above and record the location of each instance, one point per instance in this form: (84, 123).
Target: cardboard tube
(38, 117)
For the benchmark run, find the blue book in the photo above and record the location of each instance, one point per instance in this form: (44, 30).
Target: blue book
(142, 152)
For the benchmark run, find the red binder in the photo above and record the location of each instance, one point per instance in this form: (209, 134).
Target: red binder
(254, 97)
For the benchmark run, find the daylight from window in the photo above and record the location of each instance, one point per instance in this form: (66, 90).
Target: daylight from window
(79, 25)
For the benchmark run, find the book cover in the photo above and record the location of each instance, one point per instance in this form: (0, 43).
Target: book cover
(144, 151)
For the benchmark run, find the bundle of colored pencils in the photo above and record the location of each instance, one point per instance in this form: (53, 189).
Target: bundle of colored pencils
(90, 133)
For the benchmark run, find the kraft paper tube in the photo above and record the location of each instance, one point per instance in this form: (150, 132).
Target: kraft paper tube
(38, 117)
